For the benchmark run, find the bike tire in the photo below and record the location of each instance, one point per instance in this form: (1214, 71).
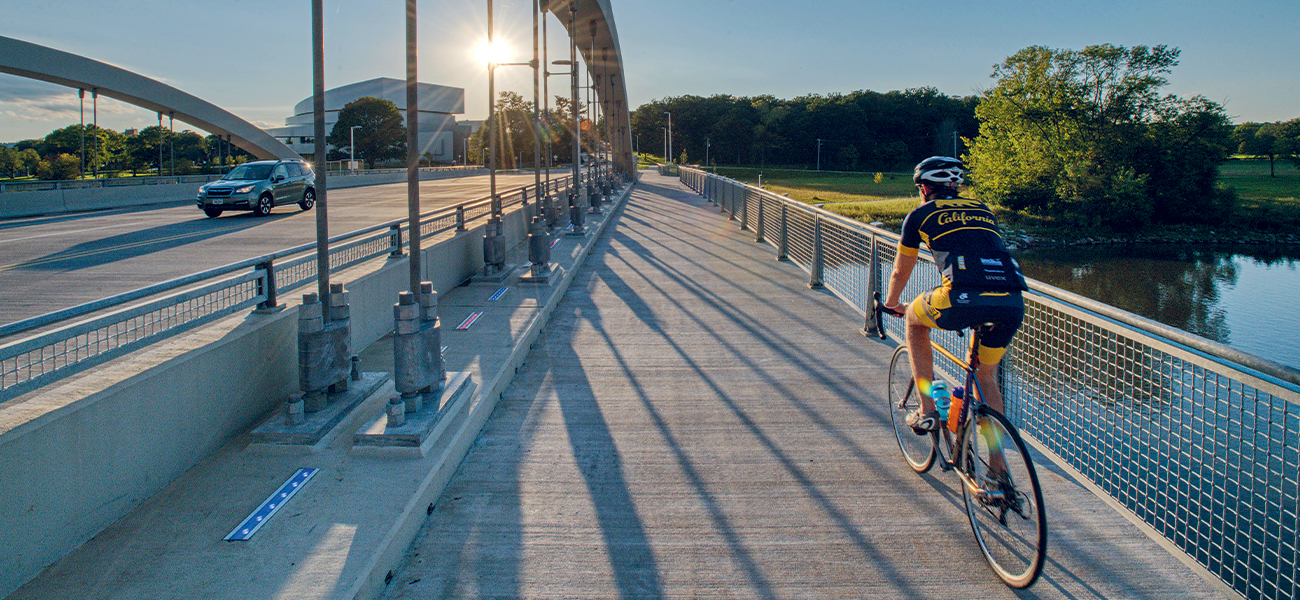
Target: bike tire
(1009, 524)
(919, 451)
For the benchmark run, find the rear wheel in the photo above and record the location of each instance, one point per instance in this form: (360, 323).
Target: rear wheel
(308, 200)
(212, 212)
(1004, 505)
(264, 205)
(918, 450)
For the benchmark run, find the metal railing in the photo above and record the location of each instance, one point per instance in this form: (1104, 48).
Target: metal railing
(1199, 441)
(171, 307)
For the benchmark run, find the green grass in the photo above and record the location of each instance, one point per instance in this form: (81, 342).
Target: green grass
(1265, 203)
(817, 188)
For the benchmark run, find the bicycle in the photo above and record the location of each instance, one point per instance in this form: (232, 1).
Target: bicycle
(1005, 509)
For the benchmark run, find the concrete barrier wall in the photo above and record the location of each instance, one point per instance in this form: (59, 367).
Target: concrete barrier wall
(79, 455)
(51, 202)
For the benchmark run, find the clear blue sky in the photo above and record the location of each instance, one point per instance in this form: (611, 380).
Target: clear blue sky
(254, 57)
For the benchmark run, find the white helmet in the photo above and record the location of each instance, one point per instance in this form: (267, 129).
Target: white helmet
(942, 170)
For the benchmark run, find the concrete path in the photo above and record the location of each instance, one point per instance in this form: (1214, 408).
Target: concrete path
(695, 422)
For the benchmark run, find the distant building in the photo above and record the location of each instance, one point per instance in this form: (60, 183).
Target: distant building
(439, 134)
(130, 132)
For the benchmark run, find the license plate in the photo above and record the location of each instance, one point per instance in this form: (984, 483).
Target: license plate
(218, 201)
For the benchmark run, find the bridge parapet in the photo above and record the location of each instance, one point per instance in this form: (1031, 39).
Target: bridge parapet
(1195, 441)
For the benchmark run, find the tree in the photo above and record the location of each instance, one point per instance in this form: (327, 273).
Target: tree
(142, 149)
(58, 167)
(380, 135)
(1085, 136)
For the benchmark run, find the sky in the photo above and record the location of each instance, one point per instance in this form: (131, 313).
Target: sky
(253, 57)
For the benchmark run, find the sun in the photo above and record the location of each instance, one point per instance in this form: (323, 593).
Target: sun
(496, 53)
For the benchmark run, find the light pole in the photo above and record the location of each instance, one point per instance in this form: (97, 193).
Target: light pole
(670, 137)
(665, 135)
(707, 145)
(352, 147)
(819, 154)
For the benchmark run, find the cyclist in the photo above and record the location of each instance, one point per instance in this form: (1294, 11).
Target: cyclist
(981, 282)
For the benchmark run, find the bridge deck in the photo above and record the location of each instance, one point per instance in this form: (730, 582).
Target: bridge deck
(696, 422)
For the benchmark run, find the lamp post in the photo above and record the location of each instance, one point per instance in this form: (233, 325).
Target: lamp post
(670, 137)
(352, 147)
(707, 145)
(492, 113)
(575, 212)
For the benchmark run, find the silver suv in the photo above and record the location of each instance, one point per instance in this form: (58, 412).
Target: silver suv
(260, 186)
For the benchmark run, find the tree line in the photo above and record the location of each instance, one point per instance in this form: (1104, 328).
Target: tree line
(862, 130)
(1080, 137)
(111, 153)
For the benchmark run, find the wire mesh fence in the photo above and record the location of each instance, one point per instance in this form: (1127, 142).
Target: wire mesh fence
(1199, 441)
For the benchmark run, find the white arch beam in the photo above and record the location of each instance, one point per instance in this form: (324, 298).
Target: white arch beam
(606, 62)
(33, 61)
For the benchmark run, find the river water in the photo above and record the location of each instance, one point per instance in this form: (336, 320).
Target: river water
(1247, 297)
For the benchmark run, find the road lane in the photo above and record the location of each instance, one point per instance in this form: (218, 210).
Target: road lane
(49, 263)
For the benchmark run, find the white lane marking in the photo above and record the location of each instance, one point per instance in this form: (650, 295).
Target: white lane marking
(32, 237)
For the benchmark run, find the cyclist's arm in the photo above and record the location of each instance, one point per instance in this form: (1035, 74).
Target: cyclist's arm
(904, 262)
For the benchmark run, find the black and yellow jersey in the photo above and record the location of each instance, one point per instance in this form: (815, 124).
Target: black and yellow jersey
(964, 238)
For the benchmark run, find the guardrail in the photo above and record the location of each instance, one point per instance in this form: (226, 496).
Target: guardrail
(1198, 441)
(186, 302)
(81, 184)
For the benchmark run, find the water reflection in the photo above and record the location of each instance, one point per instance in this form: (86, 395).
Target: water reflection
(1242, 297)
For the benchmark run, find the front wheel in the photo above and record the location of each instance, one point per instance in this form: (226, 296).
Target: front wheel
(1003, 499)
(918, 450)
(308, 200)
(211, 212)
(264, 205)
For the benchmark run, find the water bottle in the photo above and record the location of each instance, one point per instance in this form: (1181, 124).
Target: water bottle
(954, 411)
(942, 400)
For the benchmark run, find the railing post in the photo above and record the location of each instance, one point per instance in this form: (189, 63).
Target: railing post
(873, 286)
(267, 285)
(815, 267)
(731, 195)
(758, 231)
(460, 218)
(395, 234)
(744, 210)
(783, 240)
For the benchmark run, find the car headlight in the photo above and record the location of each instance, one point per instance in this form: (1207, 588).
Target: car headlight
(244, 190)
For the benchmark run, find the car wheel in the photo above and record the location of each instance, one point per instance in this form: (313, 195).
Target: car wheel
(264, 205)
(308, 200)
(211, 212)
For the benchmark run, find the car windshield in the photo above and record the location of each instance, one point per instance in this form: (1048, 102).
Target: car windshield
(250, 172)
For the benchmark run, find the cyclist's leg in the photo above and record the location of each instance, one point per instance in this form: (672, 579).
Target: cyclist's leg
(922, 356)
(1006, 318)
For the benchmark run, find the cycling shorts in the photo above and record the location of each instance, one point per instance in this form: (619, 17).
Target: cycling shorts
(944, 308)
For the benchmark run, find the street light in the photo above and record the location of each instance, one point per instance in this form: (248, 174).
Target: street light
(352, 147)
(707, 144)
(670, 137)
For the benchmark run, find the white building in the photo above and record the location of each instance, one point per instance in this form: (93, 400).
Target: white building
(437, 123)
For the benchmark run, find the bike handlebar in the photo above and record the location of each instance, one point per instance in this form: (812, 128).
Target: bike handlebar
(879, 308)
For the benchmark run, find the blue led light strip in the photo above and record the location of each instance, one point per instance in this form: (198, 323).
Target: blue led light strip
(497, 296)
(268, 508)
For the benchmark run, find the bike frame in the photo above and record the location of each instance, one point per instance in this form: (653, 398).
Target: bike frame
(971, 402)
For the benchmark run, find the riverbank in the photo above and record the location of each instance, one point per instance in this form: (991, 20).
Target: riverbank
(1020, 239)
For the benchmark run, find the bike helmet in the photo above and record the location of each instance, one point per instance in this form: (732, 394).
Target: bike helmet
(942, 170)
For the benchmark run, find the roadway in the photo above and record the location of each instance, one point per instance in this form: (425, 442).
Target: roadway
(49, 263)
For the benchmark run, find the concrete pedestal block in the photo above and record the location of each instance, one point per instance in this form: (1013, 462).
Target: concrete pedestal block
(317, 426)
(421, 430)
